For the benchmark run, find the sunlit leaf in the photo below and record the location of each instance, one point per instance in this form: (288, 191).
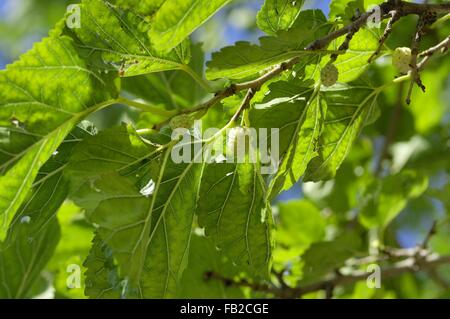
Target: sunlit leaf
(277, 15)
(43, 117)
(349, 109)
(120, 42)
(177, 19)
(239, 220)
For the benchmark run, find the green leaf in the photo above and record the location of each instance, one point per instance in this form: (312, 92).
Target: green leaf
(346, 10)
(323, 258)
(116, 149)
(177, 19)
(298, 112)
(150, 237)
(277, 15)
(238, 220)
(427, 119)
(120, 42)
(144, 7)
(442, 195)
(145, 216)
(349, 109)
(22, 260)
(119, 151)
(386, 198)
(35, 220)
(204, 259)
(300, 225)
(102, 279)
(171, 89)
(32, 237)
(354, 61)
(51, 187)
(42, 97)
(245, 60)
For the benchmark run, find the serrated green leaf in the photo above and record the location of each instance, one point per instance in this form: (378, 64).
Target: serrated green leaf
(177, 19)
(119, 39)
(298, 112)
(102, 279)
(114, 149)
(43, 96)
(147, 224)
(277, 15)
(245, 60)
(144, 7)
(150, 237)
(238, 220)
(346, 10)
(349, 109)
(117, 150)
(172, 89)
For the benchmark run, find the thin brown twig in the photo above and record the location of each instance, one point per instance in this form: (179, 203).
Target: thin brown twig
(325, 41)
(233, 89)
(404, 8)
(442, 47)
(415, 75)
(395, 16)
(245, 104)
(345, 45)
(411, 264)
(430, 235)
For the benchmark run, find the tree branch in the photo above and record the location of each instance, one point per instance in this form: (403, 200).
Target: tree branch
(402, 8)
(233, 89)
(427, 54)
(415, 263)
(395, 16)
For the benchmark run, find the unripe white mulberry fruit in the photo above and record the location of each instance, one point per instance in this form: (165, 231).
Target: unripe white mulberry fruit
(401, 59)
(329, 75)
(181, 121)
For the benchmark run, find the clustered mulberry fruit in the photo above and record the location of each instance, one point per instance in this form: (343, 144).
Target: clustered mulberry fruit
(401, 59)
